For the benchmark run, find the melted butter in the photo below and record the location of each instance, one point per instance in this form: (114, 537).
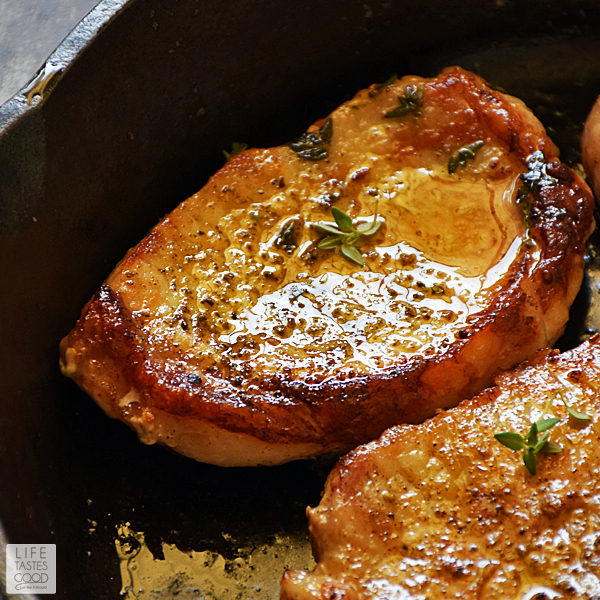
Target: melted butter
(363, 319)
(243, 300)
(205, 574)
(446, 242)
(467, 223)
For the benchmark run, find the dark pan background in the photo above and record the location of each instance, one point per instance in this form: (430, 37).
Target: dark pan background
(150, 93)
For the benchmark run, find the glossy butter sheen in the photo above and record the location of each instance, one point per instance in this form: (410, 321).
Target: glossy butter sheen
(241, 299)
(238, 340)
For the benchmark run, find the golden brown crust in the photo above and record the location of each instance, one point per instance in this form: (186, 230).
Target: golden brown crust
(590, 147)
(139, 369)
(442, 509)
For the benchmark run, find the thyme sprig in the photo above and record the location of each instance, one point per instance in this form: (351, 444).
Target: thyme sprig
(313, 145)
(410, 102)
(531, 444)
(460, 157)
(345, 235)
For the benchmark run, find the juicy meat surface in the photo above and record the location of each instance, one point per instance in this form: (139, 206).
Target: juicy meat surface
(241, 331)
(442, 510)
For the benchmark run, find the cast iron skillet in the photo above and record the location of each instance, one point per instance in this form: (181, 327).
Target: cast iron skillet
(149, 93)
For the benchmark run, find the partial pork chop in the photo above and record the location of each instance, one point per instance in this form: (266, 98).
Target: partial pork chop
(442, 510)
(590, 147)
(249, 327)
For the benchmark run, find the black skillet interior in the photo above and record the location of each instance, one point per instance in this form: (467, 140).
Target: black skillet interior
(135, 124)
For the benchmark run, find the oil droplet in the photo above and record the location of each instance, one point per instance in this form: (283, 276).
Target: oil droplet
(41, 82)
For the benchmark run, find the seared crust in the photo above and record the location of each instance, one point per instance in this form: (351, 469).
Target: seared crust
(590, 147)
(442, 510)
(173, 370)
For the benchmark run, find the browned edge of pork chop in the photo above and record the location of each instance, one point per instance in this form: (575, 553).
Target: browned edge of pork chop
(443, 510)
(590, 147)
(235, 343)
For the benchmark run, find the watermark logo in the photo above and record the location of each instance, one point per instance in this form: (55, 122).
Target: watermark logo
(31, 568)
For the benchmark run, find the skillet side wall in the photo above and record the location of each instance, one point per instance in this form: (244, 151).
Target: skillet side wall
(135, 125)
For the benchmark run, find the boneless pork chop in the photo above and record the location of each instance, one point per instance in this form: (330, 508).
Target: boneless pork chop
(387, 263)
(443, 510)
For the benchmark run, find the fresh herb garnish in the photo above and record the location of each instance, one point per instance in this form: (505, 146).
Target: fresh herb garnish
(531, 445)
(313, 145)
(535, 178)
(287, 238)
(382, 86)
(408, 103)
(524, 203)
(537, 175)
(459, 159)
(345, 235)
(575, 414)
(236, 148)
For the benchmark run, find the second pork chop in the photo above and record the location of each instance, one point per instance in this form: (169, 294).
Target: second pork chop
(443, 510)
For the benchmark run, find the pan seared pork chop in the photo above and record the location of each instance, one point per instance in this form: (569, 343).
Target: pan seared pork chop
(388, 263)
(442, 510)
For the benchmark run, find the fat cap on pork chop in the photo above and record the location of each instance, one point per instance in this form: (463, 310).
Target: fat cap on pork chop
(387, 264)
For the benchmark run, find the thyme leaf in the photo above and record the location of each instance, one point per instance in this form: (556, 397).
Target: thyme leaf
(545, 424)
(327, 228)
(330, 242)
(344, 222)
(524, 203)
(531, 444)
(459, 159)
(368, 228)
(530, 460)
(345, 235)
(575, 414)
(382, 86)
(511, 440)
(536, 177)
(236, 148)
(541, 442)
(287, 237)
(578, 416)
(551, 448)
(352, 253)
(313, 145)
(410, 102)
(391, 79)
